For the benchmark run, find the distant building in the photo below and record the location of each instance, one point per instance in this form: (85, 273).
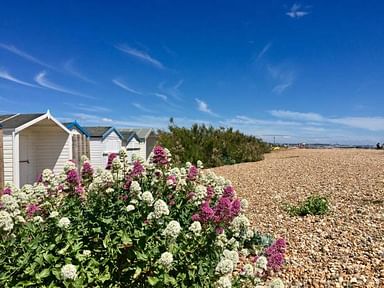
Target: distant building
(102, 142)
(145, 140)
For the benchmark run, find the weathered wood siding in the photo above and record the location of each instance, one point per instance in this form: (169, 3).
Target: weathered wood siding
(99, 149)
(1, 163)
(8, 155)
(133, 147)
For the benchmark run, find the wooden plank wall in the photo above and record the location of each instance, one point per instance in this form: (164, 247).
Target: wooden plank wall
(80, 147)
(1, 163)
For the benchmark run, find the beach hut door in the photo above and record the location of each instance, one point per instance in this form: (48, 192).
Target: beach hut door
(24, 154)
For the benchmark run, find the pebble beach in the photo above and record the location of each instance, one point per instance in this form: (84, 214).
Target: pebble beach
(345, 247)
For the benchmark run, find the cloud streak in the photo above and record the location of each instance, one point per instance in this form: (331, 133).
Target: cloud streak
(44, 82)
(283, 76)
(126, 87)
(69, 67)
(25, 55)
(296, 11)
(203, 107)
(6, 76)
(142, 108)
(263, 51)
(141, 55)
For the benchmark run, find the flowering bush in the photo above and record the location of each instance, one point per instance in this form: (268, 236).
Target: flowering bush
(141, 224)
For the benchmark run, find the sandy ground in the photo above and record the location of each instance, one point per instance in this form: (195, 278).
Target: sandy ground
(344, 248)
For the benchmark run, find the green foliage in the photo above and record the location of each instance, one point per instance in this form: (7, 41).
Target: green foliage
(112, 234)
(313, 205)
(214, 147)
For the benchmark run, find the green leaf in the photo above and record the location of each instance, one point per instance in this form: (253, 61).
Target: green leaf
(137, 273)
(43, 274)
(153, 281)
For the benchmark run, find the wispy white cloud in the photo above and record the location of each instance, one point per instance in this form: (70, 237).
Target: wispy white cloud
(6, 76)
(297, 11)
(89, 108)
(368, 123)
(126, 87)
(285, 77)
(44, 82)
(371, 123)
(142, 108)
(70, 67)
(203, 107)
(161, 96)
(172, 90)
(309, 116)
(141, 55)
(24, 55)
(263, 51)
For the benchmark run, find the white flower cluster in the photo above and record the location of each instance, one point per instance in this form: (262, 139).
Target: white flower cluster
(240, 225)
(166, 259)
(231, 255)
(221, 240)
(261, 263)
(69, 165)
(172, 230)
(147, 198)
(53, 214)
(116, 164)
(160, 209)
(64, 223)
(195, 228)
(224, 282)
(87, 253)
(136, 189)
(103, 179)
(244, 204)
(200, 194)
(247, 270)
(130, 208)
(276, 283)
(225, 266)
(48, 176)
(6, 222)
(217, 182)
(199, 164)
(9, 202)
(69, 272)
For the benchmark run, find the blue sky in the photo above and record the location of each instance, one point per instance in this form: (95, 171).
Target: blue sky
(305, 71)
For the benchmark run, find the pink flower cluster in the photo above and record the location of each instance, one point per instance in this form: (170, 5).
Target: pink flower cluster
(137, 170)
(160, 156)
(73, 177)
(224, 211)
(111, 156)
(275, 254)
(192, 173)
(7, 190)
(86, 171)
(32, 209)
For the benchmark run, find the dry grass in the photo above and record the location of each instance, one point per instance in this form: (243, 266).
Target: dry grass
(344, 248)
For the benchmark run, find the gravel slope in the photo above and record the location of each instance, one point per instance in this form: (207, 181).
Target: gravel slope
(342, 249)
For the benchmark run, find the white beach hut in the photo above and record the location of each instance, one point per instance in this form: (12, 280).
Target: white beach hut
(102, 142)
(29, 143)
(147, 140)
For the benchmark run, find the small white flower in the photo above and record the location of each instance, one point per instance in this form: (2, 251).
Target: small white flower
(244, 204)
(130, 208)
(6, 222)
(53, 214)
(200, 164)
(166, 259)
(225, 266)
(160, 208)
(147, 198)
(244, 252)
(172, 230)
(64, 223)
(20, 219)
(69, 165)
(69, 272)
(231, 255)
(224, 282)
(262, 262)
(38, 219)
(276, 283)
(247, 270)
(9, 202)
(195, 228)
(109, 190)
(87, 253)
(116, 164)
